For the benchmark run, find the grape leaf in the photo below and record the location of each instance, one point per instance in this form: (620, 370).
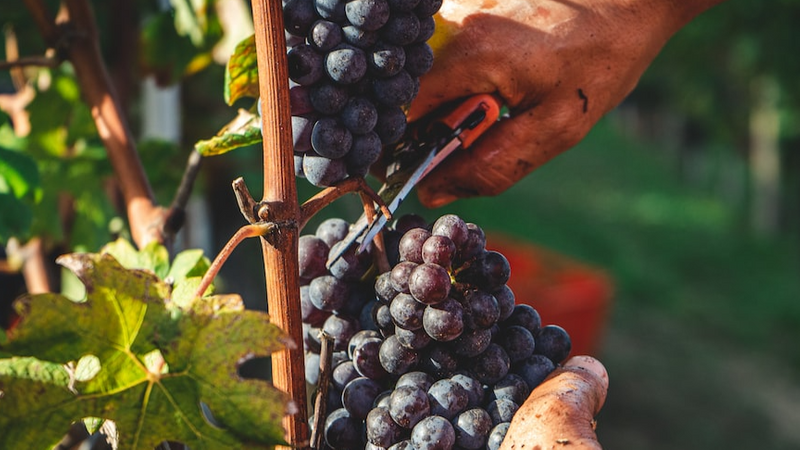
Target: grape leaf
(241, 73)
(156, 362)
(244, 130)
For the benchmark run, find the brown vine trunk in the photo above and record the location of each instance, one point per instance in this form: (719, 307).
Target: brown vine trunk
(280, 194)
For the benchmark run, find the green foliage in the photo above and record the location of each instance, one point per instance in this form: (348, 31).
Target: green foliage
(241, 73)
(19, 190)
(141, 352)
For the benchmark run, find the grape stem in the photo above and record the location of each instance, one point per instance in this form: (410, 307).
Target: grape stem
(247, 231)
(380, 259)
(330, 194)
(321, 401)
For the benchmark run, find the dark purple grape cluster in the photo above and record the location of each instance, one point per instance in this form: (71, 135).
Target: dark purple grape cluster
(353, 65)
(433, 354)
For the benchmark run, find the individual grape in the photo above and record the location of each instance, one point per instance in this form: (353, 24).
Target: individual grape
(400, 274)
(396, 358)
(298, 165)
(343, 373)
(382, 400)
(339, 357)
(534, 369)
(444, 321)
(391, 241)
(311, 338)
(517, 341)
(359, 395)
(328, 98)
(359, 37)
(358, 338)
(397, 90)
(452, 226)
(419, 59)
(332, 230)
(298, 15)
(341, 329)
(366, 316)
(321, 171)
(473, 388)
(367, 361)
(301, 132)
(553, 342)
(346, 64)
(408, 222)
(505, 300)
(402, 445)
(310, 314)
(501, 410)
(447, 398)
(359, 115)
(427, 8)
(416, 378)
(328, 293)
(474, 245)
(367, 14)
(512, 387)
(495, 271)
(402, 28)
(365, 151)
(391, 124)
(490, 366)
(410, 246)
(305, 65)
(383, 318)
(334, 400)
(300, 98)
(330, 139)
(472, 343)
(408, 405)
(472, 428)
(325, 35)
(312, 367)
(312, 255)
(333, 10)
(384, 290)
(381, 429)
(407, 312)
(439, 250)
(386, 60)
(497, 435)
(403, 5)
(349, 265)
(429, 283)
(433, 433)
(427, 26)
(525, 316)
(415, 340)
(342, 431)
(438, 360)
(481, 309)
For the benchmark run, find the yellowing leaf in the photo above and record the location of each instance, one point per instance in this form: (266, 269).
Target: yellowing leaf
(241, 73)
(156, 363)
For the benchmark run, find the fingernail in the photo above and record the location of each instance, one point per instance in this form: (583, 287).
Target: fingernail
(589, 364)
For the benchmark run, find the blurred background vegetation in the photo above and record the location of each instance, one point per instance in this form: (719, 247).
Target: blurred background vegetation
(687, 196)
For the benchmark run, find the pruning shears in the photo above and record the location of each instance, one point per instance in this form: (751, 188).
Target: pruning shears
(425, 146)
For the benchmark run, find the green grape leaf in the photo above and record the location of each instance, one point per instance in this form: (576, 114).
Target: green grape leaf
(241, 73)
(131, 354)
(19, 190)
(244, 130)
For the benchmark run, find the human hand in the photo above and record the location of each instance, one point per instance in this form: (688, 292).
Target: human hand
(561, 410)
(560, 65)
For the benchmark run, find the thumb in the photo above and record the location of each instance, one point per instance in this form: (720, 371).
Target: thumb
(561, 410)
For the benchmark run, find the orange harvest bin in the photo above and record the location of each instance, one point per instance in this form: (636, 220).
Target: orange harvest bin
(565, 292)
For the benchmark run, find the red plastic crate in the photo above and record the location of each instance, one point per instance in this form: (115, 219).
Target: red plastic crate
(565, 292)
